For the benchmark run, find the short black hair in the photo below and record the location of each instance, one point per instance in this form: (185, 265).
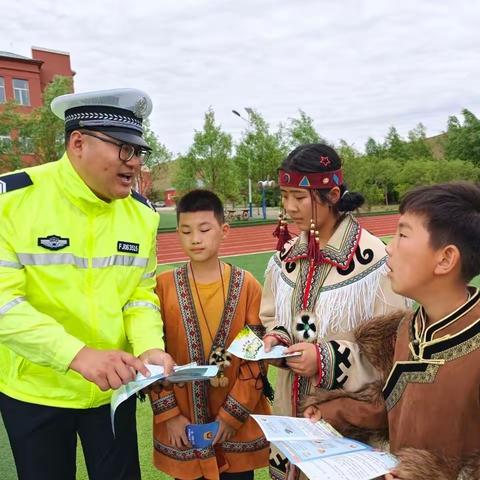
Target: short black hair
(201, 201)
(306, 158)
(452, 217)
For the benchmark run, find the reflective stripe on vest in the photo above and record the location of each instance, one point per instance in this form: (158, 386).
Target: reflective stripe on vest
(81, 262)
(9, 305)
(140, 304)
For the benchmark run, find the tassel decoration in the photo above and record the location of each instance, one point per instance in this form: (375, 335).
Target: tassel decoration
(281, 232)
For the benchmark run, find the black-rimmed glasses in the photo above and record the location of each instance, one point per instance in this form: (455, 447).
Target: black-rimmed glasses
(126, 150)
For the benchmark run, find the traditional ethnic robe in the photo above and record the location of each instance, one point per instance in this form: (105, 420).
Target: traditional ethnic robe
(430, 401)
(198, 401)
(349, 287)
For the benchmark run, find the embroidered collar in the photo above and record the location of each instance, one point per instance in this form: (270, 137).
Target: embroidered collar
(423, 334)
(339, 250)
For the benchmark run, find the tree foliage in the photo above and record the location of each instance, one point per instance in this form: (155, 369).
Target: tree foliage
(45, 129)
(208, 163)
(463, 140)
(258, 154)
(301, 130)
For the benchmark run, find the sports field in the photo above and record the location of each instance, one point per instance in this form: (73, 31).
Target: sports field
(255, 263)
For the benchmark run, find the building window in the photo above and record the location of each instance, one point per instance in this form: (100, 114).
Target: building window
(20, 91)
(5, 143)
(26, 145)
(2, 90)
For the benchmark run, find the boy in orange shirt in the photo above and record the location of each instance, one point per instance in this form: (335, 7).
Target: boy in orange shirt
(204, 304)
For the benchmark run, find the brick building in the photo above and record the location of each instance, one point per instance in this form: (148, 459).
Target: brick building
(23, 79)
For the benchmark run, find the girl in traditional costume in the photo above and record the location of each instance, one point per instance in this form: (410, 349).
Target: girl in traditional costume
(320, 285)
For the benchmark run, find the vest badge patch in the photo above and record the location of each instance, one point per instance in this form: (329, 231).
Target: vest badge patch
(53, 242)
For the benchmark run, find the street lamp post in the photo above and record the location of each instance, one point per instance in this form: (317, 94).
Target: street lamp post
(264, 184)
(250, 208)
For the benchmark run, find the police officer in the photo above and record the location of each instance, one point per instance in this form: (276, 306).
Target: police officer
(78, 313)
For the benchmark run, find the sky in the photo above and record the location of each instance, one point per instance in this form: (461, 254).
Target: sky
(356, 67)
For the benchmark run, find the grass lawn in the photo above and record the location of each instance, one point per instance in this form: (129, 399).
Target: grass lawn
(256, 264)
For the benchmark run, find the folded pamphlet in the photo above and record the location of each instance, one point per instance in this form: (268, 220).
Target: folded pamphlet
(248, 346)
(182, 373)
(321, 452)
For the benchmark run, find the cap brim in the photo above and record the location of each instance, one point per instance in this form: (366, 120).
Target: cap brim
(129, 138)
(123, 136)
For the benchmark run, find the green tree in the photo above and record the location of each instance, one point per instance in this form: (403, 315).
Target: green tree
(208, 163)
(301, 130)
(394, 146)
(258, 154)
(46, 130)
(11, 124)
(373, 149)
(417, 146)
(160, 153)
(463, 141)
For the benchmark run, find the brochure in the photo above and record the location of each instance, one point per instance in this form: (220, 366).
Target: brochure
(321, 452)
(182, 373)
(248, 346)
(201, 435)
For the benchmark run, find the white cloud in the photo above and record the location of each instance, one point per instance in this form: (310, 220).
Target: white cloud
(357, 67)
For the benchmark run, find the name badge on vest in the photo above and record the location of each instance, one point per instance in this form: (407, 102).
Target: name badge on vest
(128, 247)
(53, 242)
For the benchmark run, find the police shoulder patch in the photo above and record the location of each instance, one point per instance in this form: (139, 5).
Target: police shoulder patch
(14, 181)
(142, 199)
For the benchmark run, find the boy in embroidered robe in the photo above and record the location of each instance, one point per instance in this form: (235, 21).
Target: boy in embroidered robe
(430, 401)
(322, 284)
(204, 304)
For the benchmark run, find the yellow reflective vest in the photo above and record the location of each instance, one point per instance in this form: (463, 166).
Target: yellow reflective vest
(74, 271)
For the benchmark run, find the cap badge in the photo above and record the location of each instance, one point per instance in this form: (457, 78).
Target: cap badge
(140, 108)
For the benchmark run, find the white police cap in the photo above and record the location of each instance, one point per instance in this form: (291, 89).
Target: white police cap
(118, 113)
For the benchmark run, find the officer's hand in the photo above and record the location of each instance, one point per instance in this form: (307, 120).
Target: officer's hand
(107, 368)
(156, 356)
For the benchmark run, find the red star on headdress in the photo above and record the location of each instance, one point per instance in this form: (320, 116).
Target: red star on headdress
(325, 161)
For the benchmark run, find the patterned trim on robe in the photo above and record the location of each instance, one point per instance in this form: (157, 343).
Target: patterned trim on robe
(192, 329)
(184, 455)
(420, 370)
(335, 360)
(236, 409)
(258, 330)
(245, 447)
(163, 404)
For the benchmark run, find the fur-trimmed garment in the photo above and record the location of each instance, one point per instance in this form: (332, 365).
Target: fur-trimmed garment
(199, 401)
(430, 400)
(348, 288)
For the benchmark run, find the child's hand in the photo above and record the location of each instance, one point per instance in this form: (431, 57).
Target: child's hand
(225, 432)
(306, 363)
(391, 476)
(269, 341)
(313, 413)
(177, 436)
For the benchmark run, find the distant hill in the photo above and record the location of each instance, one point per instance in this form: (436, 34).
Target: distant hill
(436, 145)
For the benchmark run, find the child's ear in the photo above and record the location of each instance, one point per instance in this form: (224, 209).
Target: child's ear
(334, 195)
(449, 259)
(225, 230)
